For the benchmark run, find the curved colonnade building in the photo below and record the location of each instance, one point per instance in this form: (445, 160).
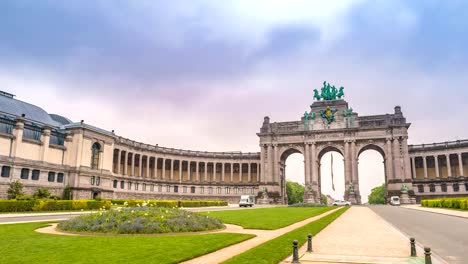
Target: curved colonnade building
(48, 150)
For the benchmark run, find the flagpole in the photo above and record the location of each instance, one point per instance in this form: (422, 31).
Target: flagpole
(333, 185)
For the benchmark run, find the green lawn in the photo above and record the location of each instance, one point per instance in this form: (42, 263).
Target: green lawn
(19, 243)
(267, 218)
(280, 248)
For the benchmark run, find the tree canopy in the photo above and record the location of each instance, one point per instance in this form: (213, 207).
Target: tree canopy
(377, 195)
(295, 192)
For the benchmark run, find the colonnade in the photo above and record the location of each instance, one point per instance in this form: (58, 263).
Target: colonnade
(185, 169)
(439, 165)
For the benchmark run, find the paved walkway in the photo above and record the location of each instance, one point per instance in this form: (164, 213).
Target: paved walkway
(359, 236)
(437, 210)
(262, 236)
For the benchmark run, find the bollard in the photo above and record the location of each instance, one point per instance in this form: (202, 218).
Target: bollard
(309, 243)
(413, 247)
(427, 254)
(295, 253)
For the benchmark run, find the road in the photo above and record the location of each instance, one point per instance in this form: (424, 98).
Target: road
(39, 217)
(446, 235)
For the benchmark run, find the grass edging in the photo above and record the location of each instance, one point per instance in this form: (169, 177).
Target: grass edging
(280, 248)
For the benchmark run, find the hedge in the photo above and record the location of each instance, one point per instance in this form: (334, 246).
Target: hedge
(171, 203)
(452, 203)
(51, 205)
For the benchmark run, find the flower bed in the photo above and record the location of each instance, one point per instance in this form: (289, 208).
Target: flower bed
(452, 203)
(171, 203)
(141, 220)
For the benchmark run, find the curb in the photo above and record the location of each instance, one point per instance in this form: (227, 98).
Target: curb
(439, 213)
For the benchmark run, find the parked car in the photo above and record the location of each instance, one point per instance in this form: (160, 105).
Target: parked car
(341, 203)
(395, 200)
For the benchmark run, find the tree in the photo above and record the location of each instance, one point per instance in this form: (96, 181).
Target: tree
(295, 192)
(324, 199)
(377, 195)
(42, 193)
(15, 190)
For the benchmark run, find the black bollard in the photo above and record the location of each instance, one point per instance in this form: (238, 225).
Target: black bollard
(295, 253)
(427, 255)
(413, 247)
(309, 243)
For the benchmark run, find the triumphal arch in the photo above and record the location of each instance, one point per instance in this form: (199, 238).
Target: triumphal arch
(331, 124)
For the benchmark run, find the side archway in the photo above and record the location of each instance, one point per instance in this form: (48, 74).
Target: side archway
(371, 169)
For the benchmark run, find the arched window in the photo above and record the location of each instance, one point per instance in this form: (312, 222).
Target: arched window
(95, 151)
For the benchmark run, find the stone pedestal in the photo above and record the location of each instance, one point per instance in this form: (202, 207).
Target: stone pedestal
(263, 200)
(352, 198)
(404, 198)
(310, 198)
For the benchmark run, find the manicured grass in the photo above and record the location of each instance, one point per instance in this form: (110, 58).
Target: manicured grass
(267, 218)
(280, 248)
(19, 243)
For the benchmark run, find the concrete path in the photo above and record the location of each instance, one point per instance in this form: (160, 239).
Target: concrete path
(437, 210)
(262, 236)
(359, 236)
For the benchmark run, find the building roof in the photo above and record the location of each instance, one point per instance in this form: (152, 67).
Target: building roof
(13, 107)
(61, 119)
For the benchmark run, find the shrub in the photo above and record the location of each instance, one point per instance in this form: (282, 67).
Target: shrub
(15, 189)
(141, 220)
(42, 193)
(51, 205)
(452, 203)
(67, 193)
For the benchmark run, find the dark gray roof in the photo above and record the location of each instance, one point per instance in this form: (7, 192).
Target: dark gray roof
(11, 106)
(61, 119)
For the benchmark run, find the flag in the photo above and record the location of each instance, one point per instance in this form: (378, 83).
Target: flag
(333, 185)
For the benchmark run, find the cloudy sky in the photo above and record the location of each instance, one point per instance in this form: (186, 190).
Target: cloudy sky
(202, 74)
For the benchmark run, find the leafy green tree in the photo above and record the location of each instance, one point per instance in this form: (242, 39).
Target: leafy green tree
(377, 195)
(67, 192)
(295, 192)
(15, 190)
(324, 199)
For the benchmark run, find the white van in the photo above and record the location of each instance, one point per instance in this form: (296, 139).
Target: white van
(247, 200)
(395, 200)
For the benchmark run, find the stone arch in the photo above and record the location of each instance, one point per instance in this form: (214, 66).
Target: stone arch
(372, 146)
(322, 150)
(285, 152)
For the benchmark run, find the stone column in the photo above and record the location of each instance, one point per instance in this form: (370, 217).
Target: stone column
(313, 153)
(126, 163)
(148, 167)
(163, 176)
(119, 158)
(425, 166)
(436, 160)
(18, 131)
(354, 166)
(270, 162)
(413, 163)
(249, 175)
(214, 171)
(171, 169)
(262, 161)
(460, 164)
(307, 163)
(347, 164)
(232, 172)
(181, 167)
(258, 172)
(276, 167)
(189, 172)
(45, 144)
(240, 172)
(140, 166)
(406, 159)
(222, 172)
(132, 166)
(396, 159)
(198, 171)
(449, 166)
(389, 160)
(206, 171)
